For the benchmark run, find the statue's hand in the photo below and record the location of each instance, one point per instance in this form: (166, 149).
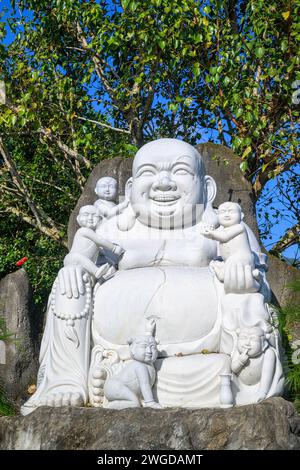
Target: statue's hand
(239, 278)
(108, 271)
(208, 233)
(71, 281)
(244, 357)
(118, 250)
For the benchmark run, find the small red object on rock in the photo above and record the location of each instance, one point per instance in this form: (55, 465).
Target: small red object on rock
(21, 261)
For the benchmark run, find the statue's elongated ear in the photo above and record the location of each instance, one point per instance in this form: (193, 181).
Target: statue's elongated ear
(128, 188)
(211, 189)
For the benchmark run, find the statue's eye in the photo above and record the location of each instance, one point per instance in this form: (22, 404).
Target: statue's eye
(181, 171)
(146, 172)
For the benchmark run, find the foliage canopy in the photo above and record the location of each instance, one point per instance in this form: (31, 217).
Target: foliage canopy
(87, 80)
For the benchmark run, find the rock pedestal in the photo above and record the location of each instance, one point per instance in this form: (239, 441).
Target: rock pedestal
(272, 424)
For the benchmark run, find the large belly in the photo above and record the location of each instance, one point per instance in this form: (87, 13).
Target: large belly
(181, 299)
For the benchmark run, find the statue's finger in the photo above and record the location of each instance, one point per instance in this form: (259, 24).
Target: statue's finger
(79, 279)
(104, 268)
(61, 282)
(111, 270)
(73, 281)
(66, 274)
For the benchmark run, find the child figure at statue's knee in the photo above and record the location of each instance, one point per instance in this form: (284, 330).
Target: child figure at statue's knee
(254, 360)
(232, 236)
(135, 381)
(86, 243)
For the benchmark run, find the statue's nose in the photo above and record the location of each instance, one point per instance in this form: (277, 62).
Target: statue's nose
(165, 183)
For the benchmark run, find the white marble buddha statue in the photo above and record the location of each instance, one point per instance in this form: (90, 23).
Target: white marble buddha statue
(164, 274)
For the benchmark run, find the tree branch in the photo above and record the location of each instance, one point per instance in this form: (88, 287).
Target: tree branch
(39, 213)
(64, 148)
(98, 67)
(290, 237)
(56, 140)
(18, 182)
(52, 232)
(102, 124)
(263, 178)
(51, 185)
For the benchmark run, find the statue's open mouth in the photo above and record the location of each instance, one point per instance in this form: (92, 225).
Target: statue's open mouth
(165, 198)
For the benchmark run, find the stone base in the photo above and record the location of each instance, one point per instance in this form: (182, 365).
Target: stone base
(273, 424)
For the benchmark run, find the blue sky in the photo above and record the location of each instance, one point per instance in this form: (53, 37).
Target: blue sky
(5, 7)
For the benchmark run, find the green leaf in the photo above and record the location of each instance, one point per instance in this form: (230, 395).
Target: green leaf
(196, 70)
(246, 151)
(162, 44)
(13, 119)
(263, 168)
(244, 166)
(284, 45)
(260, 52)
(286, 15)
(227, 81)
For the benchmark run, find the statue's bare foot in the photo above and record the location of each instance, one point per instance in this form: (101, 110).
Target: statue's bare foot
(53, 399)
(62, 399)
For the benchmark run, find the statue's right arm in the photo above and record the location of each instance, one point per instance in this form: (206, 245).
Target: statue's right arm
(225, 236)
(101, 242)
(239, 362)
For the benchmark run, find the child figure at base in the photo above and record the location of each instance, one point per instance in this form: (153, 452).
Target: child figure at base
(86, 243)
(254, 360)
(134, 382)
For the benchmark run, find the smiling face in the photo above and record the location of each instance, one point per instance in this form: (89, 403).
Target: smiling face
(167, 184)
(252, 340)
(107, 188)
(229, 214)
(88, 217)
(144, 349)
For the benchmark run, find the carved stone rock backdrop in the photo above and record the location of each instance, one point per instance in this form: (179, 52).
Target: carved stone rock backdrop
(19, 364)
